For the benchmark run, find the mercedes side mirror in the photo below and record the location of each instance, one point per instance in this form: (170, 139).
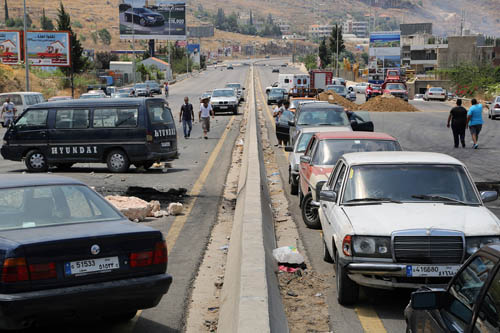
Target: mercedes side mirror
(488, 196)
(329, 196)
(289, 149)
(291, 123)
(305, 159)
(430, 299)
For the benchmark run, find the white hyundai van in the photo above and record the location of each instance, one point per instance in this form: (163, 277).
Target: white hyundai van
(21, 100)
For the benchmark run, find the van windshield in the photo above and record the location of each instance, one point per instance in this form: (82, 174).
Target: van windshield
(159, 113)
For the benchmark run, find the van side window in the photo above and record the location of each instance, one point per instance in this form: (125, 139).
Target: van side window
(115, 117)
(31, 99)
(72, 119)
(14, 98)
(33, 118)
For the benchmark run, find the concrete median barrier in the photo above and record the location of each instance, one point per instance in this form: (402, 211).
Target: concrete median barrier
(250, 300)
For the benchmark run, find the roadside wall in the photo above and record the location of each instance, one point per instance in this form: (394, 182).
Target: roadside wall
(250, 297)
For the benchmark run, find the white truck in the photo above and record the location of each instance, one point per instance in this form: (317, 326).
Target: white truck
(291, 81)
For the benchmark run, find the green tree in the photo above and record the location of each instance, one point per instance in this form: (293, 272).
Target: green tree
(220, 19)
(6, 9)
(336, 31)
(78, 62)
(270, 19)
(45, 22)
(102, 59)
(324, 54)
(94, 37)
(105, 36)
(250, 21)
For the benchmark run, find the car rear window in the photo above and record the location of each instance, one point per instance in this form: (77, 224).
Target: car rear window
(159, 113)
(38, 206)
(14, 98)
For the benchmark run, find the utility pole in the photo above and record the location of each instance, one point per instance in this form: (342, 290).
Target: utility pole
(134, 73)
(26, 62)
(337, 53)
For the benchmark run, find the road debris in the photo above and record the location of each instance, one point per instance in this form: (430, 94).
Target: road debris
(175, 208)
(387, 103)
(333, 98)
(288, 255)
(136, 209)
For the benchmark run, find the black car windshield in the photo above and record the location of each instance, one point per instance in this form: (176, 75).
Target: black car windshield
(330, 150)
(303, 142)
(38, 206)
(395, 86)
(337, 89)
(323, 116)
(223, 93)
(410, 183)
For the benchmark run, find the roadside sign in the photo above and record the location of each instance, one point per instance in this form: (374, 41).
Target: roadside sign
(49, 48)
(10, 47)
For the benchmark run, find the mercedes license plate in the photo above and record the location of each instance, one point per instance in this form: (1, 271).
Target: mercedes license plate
(165, 144)
(91, 265)
(431, 270)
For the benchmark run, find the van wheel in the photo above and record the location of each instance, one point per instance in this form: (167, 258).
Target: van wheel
(36, 161)
(64, 166)
(118, 161)
(347, 290)
(309, 213)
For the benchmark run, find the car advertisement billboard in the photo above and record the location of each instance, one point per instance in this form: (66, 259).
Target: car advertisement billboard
(48, 48)
(10, 47)
(152, 19)
(384, 53)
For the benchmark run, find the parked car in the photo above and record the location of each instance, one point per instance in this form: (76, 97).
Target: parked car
(359, 88)
(144, 17)
(282, 127)
(60, 98)
(373, 90)
(274, 85)
(275, 70)
(120, 95)
(142, 89)
(154, 88)
(230, 66)
(239, 90)
(351, 95)
(21, 100)
(68, 250)
(321, 155)
(401, 220)
(396, 90)
(338, 81)
(298, 149)
(93, 94)
(224, 100)
(494, 108)
(450, 96)
(435, 93)
(118, 132)
(469, 302)
(338, 89)
(295, 101)
(110, 90)
(129, 90)
(276, 95)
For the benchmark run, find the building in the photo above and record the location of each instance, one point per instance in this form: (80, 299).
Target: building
(284, 28)
(408, 29)
(320, 30)
(419, 52)
(358, 28)
(161, 65)
(126, 68)
(467, 49)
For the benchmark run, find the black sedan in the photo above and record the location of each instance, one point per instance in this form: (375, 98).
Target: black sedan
(66, 251)
(470, 302)
(144, 17)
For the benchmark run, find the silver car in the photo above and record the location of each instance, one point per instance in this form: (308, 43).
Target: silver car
(494, 108)
(298, 149)
(435, 93)
(338, 89)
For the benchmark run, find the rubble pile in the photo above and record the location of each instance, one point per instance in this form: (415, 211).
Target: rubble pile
(387, 103)
(333, 98)
(137, 210)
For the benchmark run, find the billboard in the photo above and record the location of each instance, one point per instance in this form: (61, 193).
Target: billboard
(194, 52)
(384, 53)
(152, 19)
(48, 48)
(10, 47)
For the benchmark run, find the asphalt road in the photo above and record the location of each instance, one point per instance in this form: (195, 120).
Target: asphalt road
(203, 163)
(382, 311)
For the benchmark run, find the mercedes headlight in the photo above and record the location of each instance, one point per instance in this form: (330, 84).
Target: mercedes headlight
(366, 246)
(475, 243)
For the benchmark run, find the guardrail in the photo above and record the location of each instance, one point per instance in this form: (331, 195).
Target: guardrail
(250, 300)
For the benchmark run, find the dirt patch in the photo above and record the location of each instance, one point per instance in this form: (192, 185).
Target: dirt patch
(147, 194)
(387, 104)
(334, 98)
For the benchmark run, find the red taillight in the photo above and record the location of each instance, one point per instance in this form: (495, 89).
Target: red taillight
(160, 255)
(346, 245)
(497, 106)
(430, 93)
(43, 271)
(140, 259)
(14, 270)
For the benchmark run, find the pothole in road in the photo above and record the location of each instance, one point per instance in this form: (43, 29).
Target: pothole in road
(148, 194)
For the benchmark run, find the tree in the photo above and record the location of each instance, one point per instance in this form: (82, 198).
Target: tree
(365, 57)
(78, 62)
(323, 52)
(105, 36)
(270, 19)
(250, 21)
(6, 9)
(102, 59)
(45, 22)
(336, 31)
(220, 19)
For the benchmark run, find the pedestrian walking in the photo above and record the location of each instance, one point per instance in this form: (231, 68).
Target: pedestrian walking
(204, 116)
(165, 86)
(186, 116)
(458, 119)
(475, 119)
(8, 112)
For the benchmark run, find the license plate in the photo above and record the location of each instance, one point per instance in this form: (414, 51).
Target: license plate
(165, 144)
(431, 270)
(91, 266)
(223, 107)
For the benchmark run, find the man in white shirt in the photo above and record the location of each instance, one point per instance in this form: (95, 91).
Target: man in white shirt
(8, 112)
(204, 116)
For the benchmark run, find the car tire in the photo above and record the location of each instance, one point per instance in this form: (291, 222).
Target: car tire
(117, 161)
(36, 161)
(121, 317)
(142, 22)
(347, 290)
(309, 213)
(326, 254)
(64, 166)
(489, 116)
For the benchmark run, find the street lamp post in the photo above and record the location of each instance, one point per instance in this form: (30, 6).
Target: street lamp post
(26, 62)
